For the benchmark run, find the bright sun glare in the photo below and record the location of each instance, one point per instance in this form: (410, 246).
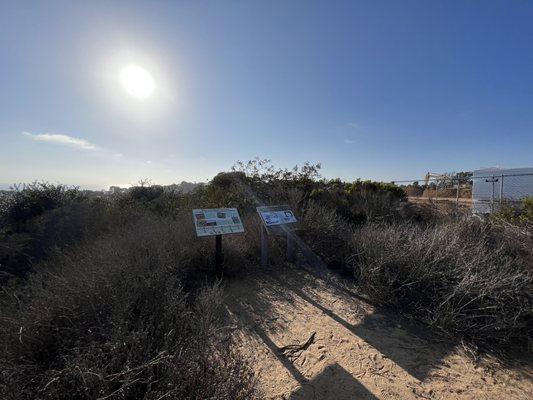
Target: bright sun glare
(137, 81)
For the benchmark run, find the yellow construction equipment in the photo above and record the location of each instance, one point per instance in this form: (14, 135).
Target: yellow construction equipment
(437, 177)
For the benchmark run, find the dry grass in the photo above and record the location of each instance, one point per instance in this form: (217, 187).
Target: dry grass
(122, 316)
(470, 278)
(121, 301)
(327, 234)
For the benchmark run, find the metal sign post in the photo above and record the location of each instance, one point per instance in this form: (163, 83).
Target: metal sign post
(218, 254)
(217, 222)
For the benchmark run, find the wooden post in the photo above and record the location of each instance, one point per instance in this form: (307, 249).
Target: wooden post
(457, 197)
(218, 254)
(457, 194)
(290, 247)
(264, 246)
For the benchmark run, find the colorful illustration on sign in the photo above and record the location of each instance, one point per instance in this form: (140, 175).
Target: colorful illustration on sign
(217, 221)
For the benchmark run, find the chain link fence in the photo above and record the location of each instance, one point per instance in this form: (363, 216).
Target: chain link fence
(484, 191)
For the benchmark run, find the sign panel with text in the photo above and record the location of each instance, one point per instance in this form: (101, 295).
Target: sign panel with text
(217, 221)
(272, 217)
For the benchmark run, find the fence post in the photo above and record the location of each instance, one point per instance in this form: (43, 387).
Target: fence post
(501, 192)
(492, 198)
(457, 195)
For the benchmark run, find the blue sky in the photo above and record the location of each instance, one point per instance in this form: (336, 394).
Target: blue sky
(373, 89)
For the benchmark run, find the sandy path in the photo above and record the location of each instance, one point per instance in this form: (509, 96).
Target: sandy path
(309, 339)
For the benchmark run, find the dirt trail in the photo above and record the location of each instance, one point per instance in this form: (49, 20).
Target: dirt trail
(308, 338)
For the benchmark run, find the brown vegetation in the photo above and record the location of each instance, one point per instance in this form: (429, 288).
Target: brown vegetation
(115, 296)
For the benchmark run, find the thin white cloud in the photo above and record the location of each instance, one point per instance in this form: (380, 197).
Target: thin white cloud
(62, 139)
(353, 125)
(349, 141)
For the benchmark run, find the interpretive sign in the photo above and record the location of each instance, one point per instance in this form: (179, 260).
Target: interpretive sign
(217, 221)
(276, 217)
(277, 220)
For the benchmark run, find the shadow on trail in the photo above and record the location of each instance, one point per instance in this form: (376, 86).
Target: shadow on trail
(414, 351)
(408, 345)
(419, 351)
(334, 382)
(246, 319)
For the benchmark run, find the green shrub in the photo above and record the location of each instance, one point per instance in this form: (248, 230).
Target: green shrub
(41, 218)
(33, 200)
(259, 182)
(527, 209)
(395, 192)
(516, 213)
(146, 197)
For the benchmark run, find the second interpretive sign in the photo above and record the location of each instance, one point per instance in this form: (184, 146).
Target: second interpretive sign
(273, 217)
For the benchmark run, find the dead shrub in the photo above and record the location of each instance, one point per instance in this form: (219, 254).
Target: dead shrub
(469, 278)
(111, 318)
(327, 234)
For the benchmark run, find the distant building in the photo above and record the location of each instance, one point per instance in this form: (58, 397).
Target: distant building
(495, 186)
(116, 189)
(183, 187)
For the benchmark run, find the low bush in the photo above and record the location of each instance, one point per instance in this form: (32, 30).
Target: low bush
(517, 214)
(29, 201)
(121, 316)
(119, 301)
(327, 234)
(470, 278)
(40, 218)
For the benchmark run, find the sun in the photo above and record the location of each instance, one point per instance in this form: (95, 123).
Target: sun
(137, 81)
